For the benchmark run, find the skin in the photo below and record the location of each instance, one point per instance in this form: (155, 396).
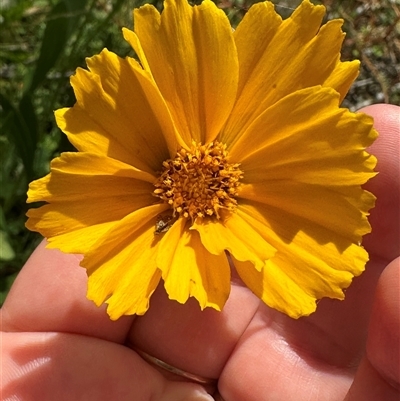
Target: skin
(56, 345)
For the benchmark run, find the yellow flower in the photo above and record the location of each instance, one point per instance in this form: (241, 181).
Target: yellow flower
(216, 142)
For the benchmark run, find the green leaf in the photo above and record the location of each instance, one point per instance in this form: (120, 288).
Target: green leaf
(17, 129)
(6, 251)
(27, 110)
(61, 22)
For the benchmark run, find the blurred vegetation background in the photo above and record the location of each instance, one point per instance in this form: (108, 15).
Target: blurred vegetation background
(42, 42)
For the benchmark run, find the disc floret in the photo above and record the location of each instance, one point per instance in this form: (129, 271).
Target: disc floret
(200, 181)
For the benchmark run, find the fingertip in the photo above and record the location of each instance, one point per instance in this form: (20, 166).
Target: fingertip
(386, 116)
(369, 385)
(180, 391)
(384, 239)
(387, 146)
(378, 375)
(383, 344)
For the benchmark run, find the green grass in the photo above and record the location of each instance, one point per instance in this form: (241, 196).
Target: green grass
(43, 41)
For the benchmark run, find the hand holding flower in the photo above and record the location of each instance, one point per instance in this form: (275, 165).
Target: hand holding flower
(58, 346)
(217, 170)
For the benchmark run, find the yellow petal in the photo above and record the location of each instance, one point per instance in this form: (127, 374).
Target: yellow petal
(311, 261)
(68, 233)
(253, 36)
(88, 136)
(189, 270)
(121, 265)
(343, 213)
(192, 57)
(343, 77)
(159, 107)
(90, 167)
(306, 137)
(111, 95)
(134, 41)
(276, 289)
(86, 194)
(234, 235)
(299, 55)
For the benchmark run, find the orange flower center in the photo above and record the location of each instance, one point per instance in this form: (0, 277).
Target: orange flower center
(200, 181)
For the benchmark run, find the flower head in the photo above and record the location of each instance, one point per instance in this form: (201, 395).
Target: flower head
(216, 144)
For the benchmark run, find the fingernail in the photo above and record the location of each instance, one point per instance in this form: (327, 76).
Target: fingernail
(179, 391)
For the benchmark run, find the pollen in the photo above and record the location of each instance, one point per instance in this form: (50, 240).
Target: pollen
(199, 182)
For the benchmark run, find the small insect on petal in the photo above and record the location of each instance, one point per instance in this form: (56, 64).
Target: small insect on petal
(163, 224)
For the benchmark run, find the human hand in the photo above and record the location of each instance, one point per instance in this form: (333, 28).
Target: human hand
(58, 346)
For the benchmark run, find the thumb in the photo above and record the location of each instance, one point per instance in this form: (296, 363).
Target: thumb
(378, 376)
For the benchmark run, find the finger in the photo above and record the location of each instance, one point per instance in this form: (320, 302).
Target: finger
(60, 366)
(383, 345)
(269, 364)
(384, 241)
(378, 377)
(49, 294)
